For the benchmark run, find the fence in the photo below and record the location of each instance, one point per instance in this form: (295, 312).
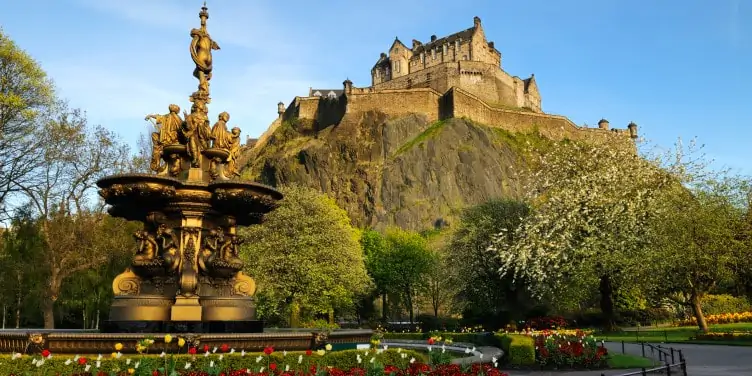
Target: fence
(667, 355)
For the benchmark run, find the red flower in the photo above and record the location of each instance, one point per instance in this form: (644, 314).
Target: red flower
(273, 366)
(192, 350)
(225, 347)
(206, 348)
(309, 352)
(82, 361)
(268, 350)
(390, 368)
(155, 373)
(46, 353)
(431, 341)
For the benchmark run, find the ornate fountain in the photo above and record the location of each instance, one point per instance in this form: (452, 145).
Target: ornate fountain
(185, 276)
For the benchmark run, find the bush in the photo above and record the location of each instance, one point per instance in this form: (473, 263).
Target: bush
(546, 322)
(430, 323)
(720, 304)
(345, 359)
(519, 350)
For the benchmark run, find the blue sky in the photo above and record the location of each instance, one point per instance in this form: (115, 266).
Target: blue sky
(678, 68)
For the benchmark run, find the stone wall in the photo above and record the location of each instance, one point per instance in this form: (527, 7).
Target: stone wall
(461, 103)
(397, 102)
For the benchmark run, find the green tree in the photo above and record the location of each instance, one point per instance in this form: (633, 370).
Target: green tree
(401, 265)
(485, 293)
(75, 156)
(695, 242)
(26, 98)
(375, 247)
(307, 254)
(442, 281)
(591, 204)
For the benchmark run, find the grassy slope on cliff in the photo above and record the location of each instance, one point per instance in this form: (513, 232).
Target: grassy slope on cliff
(406, 172)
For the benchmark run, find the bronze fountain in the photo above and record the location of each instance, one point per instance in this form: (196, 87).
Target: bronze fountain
(186, 276)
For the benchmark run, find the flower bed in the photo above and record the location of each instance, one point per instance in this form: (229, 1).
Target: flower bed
(566, 350)
(725, 318)
(724, 336)
(203, 360)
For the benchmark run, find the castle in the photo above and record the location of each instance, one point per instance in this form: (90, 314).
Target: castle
(459, 75)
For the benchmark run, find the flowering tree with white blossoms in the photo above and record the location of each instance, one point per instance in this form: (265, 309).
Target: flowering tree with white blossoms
(591, 203)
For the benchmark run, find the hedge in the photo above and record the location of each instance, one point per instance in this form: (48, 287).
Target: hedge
(519, 349)
(480, 339)
(344, 359)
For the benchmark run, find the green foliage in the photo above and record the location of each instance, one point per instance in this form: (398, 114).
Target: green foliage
(519, 349)
(720, 304)
(399, 262)
(486, 295)
(432, 131)
(306, 251)
(345, 359)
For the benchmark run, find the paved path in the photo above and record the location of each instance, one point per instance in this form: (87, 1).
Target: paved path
(702, 360)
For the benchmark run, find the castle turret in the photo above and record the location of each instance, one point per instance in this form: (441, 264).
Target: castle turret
(280, 109)
(476, 21)
(348, 86)
(632, 129)
(603, 124)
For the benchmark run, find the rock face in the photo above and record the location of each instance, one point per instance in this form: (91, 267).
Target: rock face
(406, 172)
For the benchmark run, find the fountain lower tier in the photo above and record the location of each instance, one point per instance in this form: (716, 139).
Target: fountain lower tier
(83, 342)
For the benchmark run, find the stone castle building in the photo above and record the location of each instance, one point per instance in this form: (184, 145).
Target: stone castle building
(465, 60)
(459, 75)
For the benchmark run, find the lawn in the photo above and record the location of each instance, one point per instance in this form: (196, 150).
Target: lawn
(675, 334)
(624, 361)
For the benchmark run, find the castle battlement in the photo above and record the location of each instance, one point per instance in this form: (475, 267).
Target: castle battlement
(458, 75)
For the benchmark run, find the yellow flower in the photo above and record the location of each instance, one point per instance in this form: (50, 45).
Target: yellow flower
(321, 352)
(131, 371)
(328, 347)
(181, 342)
(167, 338)
(118, 346)
(113, 355)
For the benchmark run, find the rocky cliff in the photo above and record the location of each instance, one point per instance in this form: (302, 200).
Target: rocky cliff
(405, 171)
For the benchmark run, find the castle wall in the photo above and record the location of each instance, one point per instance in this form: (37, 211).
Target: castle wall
(556, 127)
(308, 107)
(397, 102)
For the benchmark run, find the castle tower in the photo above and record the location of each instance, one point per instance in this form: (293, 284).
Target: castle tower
(632, 129)
(280, 109)
(603, 124)
(347, 86)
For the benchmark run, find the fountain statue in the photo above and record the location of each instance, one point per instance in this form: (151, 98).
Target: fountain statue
(186, 267)
(185, 276)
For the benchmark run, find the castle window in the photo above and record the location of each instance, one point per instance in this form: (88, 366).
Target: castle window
(464, 57)
(428, 77)
(409, 83)
(433, 53)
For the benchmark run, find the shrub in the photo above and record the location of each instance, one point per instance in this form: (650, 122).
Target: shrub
(720, 304)
(546, 322)
(724, 336)
(726, 318)
(519, 349)
(430, 323)
(559, 350)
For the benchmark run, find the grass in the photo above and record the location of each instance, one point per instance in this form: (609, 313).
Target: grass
(429, 133)
(676, 334)
(624, 361)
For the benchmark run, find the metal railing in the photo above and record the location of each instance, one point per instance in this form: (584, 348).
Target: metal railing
(673, 360)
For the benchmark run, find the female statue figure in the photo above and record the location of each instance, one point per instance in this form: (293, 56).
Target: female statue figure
(201, 49)
(219, 133)
(170, 247)
(167, 133)
(147, 248)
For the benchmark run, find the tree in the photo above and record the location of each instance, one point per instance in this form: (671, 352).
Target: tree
(591, 203)
(26, 99)
(400, 264)
(374, 248)
(485, 294)
(441, 286)
(696, 243)
(74, 157)
(307, 254)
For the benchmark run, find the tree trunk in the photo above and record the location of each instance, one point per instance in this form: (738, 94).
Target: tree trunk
(5, 310)
(696, 303)
(409, 296)
(96, 325)
(384, 308)
(331, 316)
(294, 314)
(607, 303)
(48, 311)
(19, 294)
